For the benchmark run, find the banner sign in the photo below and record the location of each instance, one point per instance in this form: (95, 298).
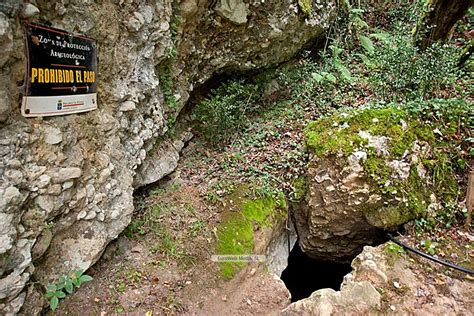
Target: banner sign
(62, 73)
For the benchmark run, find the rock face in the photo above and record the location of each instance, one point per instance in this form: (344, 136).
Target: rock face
(407, 289)
(67, 182)
(372, 170)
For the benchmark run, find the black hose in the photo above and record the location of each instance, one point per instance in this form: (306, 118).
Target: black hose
(427, 256)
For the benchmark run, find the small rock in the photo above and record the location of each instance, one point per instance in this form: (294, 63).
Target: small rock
(29, 11)
(15, 176)
(127, 106)
(14, 163)
(236, 11)
(52, 135)
(68, 185)
(65, 174)
(54, 189)
(45, 202)
(11, 195)
(136, 22)
(81, 214)
(396, 285)
(392, 308)
(224, 298)
(43, 181)
(90, 215)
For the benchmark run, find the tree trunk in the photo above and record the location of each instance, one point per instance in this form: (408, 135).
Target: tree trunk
(438, 19)
(470, 194)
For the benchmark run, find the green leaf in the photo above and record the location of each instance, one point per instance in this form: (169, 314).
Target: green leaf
(86, 278)
(336, 51)
(60, 294)
(344, 71)
(361, 24)
(51, 288)
(77, 273)
(330, 77)
(365, 59)
(69, 287)
(359, 11)
(382, 36)
(76, 282)
(50, 294)
(54, 303)
(60, 284)
(317, 77)
(367, 44)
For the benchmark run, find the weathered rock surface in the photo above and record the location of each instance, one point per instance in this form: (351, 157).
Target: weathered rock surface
(67, 182)
(161, 161)
(370, 170)
(384, 282)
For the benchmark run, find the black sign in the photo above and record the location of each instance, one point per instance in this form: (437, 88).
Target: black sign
(62, 72)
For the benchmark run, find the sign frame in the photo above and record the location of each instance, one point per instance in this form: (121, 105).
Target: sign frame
(61, 76)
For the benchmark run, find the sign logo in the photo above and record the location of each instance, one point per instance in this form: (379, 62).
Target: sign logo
(62, 72)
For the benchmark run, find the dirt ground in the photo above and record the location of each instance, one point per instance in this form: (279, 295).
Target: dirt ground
(161, 263)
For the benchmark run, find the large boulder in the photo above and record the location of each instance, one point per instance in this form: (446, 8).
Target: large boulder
(67, 182)
(375, 169)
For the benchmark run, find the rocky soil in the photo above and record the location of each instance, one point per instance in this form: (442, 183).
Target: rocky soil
(384, 281)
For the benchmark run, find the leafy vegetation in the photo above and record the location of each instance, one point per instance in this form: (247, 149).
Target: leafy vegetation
(379, 67)
(369, 77)
(227, 109)
(66, 284)
(392, 247)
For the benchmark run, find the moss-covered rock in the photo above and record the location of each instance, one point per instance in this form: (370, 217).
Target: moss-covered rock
(378, 168)
(244, 215)
(305, 6)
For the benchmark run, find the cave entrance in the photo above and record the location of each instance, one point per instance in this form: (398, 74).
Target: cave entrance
(304, 275)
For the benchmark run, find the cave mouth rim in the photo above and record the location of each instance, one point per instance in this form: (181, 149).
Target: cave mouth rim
(301, 283)
(342, 267)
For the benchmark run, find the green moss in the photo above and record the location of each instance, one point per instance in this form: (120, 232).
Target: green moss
(446, 184)
(300, 188)
(437, 124)
(340, 132)
(165, 69)
(305, 6)
(236, 232)
(377, 168)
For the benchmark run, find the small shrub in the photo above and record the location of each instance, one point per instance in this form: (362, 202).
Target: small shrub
(65, 285)
(224, 113)
(398, 71)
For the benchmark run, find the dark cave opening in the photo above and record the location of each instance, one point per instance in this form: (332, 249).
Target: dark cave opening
(304, 275)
